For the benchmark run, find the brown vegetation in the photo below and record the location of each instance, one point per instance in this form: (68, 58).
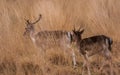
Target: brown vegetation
(18, 55)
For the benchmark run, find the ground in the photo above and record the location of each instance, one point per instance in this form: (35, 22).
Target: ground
(18, 54)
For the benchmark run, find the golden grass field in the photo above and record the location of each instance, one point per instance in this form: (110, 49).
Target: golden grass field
(18, 55)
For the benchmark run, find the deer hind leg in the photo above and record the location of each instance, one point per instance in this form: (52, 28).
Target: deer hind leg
(86, 62)
(108, 60)
(108, 57)
(106, 54)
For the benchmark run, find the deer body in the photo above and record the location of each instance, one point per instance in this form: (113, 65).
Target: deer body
(90, 46)
(95, 44)
(49, 39)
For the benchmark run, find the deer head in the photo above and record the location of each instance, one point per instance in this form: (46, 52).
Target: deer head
(29, 26)
(76, 34)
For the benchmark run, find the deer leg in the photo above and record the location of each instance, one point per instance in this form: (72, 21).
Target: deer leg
(108, 61)
(73, 58)
(105, 54)
(87, 63)
(104, 62)
(111, 67)
(83, 67)
(108, 57)
(88, 68)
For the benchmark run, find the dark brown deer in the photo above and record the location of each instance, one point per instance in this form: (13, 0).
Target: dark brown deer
(91, 46)
(49, 39)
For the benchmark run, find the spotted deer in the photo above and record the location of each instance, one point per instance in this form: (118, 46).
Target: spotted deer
(90, 46)
(49, 39)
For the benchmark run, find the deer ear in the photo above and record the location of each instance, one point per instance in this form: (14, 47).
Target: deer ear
(73, 32)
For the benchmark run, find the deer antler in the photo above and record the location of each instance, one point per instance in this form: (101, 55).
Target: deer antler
(38, 19)
(81, 28)
(27, 21)
(74, 28)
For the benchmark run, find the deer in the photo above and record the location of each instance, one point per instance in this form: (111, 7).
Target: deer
(48, 39)
(87, 47)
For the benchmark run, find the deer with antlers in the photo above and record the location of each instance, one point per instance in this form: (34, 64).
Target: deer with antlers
(49, 39)
(91, 46)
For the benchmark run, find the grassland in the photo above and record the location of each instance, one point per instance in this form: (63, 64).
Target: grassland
(18, 55)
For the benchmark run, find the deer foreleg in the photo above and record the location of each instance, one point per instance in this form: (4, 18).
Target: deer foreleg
(86, 62)
(83, 66)
(73, 58)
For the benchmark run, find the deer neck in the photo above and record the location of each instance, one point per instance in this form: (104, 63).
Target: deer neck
(78, 42)
(32, 35)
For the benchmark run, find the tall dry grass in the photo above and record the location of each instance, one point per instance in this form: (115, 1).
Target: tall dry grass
(18, 56)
